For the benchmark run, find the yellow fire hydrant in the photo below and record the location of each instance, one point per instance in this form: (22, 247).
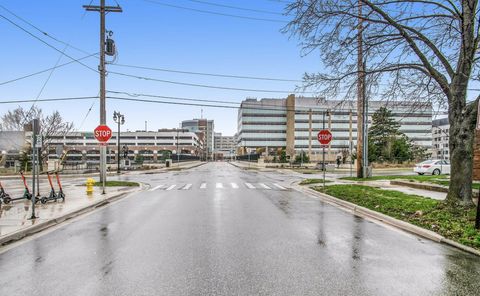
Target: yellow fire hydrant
(90, 182)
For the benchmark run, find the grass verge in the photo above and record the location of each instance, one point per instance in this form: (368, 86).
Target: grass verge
(313, 181)
(455, 224)
(118, 184)
(438, 180)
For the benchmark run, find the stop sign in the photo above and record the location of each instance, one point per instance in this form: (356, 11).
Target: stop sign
(324, 137)
(102, 133)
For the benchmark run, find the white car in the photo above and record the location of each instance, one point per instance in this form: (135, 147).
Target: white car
(432, 167)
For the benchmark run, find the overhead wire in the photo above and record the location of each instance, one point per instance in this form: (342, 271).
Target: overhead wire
(215, 13)
(47, 100)
(207, 74)
(235, 7)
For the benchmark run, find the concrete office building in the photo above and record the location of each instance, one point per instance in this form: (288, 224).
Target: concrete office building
(225, 146)
(82, 147)
(440, 134)
(206, 127)
(293, 124)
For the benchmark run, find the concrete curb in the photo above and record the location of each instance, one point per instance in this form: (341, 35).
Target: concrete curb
(417, 185)
(20, 234)
(364, 212)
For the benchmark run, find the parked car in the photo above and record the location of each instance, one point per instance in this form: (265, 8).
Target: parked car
(432, 167)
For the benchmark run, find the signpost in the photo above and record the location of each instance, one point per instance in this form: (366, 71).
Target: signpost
(324, 137)
(103, 133)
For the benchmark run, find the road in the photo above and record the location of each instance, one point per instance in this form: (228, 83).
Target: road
(219, 230)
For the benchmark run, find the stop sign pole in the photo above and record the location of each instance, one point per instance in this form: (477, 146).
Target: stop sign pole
(103, 133)
(324, 137)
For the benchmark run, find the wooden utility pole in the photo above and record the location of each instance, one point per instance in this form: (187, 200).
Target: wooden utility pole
(360, 94)
(102, 9)
(310, 134)
(329, 128)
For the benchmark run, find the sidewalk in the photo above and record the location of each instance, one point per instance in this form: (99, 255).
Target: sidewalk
(14, 217)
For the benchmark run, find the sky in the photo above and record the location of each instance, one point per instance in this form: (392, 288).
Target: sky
(150, 35)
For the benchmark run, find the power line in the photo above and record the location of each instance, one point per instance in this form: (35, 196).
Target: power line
(205, 85)
(46, 70)
(235, 7)
(169, 97)
(46, 100)
(42, 31)
(207, 74)
(46, 43)
(216, 13)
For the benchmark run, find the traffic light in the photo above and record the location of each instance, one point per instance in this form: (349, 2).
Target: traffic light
(125, 152)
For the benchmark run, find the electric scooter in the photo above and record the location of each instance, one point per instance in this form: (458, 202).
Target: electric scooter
(3, 194)
(26, 192)
(53, 195)
(60, 193)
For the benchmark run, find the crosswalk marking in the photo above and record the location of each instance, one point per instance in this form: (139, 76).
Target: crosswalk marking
(186, 187)
(264, 186)
(203, 186)
(157, 187)
(171, 187)
(234, 185)
(219, 185)
(250, 186)
(279, 187)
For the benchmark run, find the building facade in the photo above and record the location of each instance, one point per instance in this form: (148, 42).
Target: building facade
(440, 136)
(293, 124)
(206, 127)
(225, 145)
(82, 147)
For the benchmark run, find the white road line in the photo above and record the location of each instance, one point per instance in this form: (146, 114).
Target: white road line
(280, 187)
(219, 185)
(234, 185)
(186, 187)
(171, 187)
(157, 187)
(250, 186)
(203, 186)
(264, 186)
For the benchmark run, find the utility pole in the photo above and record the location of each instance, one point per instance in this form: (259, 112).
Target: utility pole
(310, 134)
(360, 96)
(119, 119)
(102, 9)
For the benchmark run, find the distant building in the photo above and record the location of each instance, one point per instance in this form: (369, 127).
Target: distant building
(206, 127)
(225, 145)
(11, 144)
(440, 135)
(81, 147)
(293, 124)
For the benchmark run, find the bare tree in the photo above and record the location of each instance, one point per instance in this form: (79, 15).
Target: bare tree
(424, 51)
(51, 126)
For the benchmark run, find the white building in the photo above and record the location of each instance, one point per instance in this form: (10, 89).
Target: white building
(440, 135)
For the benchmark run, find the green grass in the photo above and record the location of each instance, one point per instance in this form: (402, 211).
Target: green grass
(313, 181)
(394, 177)
(117, 184)
(307, 171)
(456, 224)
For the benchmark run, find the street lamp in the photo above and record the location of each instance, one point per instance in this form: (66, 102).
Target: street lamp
(120, 120)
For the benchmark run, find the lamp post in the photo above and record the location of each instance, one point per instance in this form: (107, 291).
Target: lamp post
(120, 120)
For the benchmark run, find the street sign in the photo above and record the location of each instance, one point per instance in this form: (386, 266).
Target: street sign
(102, 133)
(324, 137)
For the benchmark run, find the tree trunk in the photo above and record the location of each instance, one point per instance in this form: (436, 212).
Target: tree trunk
(462, 118)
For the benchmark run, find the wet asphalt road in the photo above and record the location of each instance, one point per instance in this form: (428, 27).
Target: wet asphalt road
(211, 239)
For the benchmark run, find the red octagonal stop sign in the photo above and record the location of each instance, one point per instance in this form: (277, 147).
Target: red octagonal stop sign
(324, 137)
(102, 133)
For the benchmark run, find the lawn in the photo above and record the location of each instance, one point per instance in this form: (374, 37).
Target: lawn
(455, 224)
(313, 181)
(439, 180)
(117, 184)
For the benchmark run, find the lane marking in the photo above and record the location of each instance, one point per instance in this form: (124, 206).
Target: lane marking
(186, 187)
(264, 186)
(250, 186)
(280, 187)
(171, 187)
(157, 187)
(203, 186)
(219, 185)
(234, 185)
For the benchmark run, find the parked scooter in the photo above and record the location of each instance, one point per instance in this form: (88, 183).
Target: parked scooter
(3, 194)
(26, 192)
(53, 195)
